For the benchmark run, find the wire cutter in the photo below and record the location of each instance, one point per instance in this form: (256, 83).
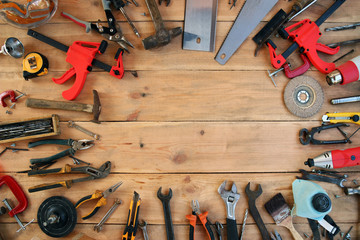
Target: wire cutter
(93, 173)
(111, 33)
(97, 195)
(74, 146)
(203, 218)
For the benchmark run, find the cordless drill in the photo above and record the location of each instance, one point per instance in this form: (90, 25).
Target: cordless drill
(336, 159)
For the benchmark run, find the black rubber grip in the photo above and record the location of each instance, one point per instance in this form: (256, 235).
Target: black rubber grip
(232, 233)
(47, 187)
(64, 153)
(43, 172)
(82, 200)
(65, 142)
(91, 214)
(191, 232)
(210, 232)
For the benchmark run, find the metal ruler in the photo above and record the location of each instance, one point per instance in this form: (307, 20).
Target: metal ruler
(249, 17)
(200, 25)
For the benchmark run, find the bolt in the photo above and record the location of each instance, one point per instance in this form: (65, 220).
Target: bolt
(143, 14)
(7, 204)
(8, 112)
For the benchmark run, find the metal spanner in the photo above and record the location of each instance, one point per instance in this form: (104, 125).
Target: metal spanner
(143, 229)
(71, 124)
(98, 227)
(253, 195)
(165, 199)
(230, 198)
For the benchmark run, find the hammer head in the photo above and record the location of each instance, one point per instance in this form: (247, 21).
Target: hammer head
(161, 38)
(96, 108)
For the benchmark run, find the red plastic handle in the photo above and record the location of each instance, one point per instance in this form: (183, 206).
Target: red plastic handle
(118, 70)
(346, 158)
(17, 191)
(8, 93)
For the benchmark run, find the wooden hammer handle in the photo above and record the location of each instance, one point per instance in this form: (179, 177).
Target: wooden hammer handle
(70, 106)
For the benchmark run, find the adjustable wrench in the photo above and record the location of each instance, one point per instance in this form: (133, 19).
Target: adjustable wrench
(253, 195)
(230, 198)
(165, 199)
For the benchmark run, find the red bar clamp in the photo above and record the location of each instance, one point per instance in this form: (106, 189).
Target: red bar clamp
(305, 34)
(80, 55)
(8, 93)
(17, 191)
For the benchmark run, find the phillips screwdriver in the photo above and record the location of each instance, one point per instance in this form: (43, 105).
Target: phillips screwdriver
(119, 4)
(336, 159)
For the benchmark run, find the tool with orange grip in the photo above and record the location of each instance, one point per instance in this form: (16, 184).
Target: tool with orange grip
(203, 218)
(97, 195)
(133, 215)
(336, 159)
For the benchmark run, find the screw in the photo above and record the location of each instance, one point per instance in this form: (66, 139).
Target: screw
(355, 182)
(8, 112)
(21, 94)
(143, 14)
(7, 204)
(337, 196)
(13, 105)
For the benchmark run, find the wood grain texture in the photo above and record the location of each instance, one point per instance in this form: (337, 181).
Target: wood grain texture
(186, 123)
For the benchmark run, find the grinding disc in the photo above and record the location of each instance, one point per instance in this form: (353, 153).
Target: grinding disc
(65, 214)
(303, 96)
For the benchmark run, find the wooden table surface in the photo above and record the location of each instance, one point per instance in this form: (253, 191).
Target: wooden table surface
(186, 123)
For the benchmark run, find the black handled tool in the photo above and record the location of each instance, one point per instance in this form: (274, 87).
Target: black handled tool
(165, 199)
(253, 195)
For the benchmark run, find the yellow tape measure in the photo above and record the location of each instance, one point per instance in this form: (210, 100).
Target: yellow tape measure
(35, 65)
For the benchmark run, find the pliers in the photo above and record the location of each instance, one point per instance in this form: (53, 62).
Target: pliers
(97, 195)
(93, 173)
(74, 146)
(111, 33)
(203, 218)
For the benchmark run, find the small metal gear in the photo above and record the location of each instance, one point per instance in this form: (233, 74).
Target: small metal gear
(303, 96)
(57, 217)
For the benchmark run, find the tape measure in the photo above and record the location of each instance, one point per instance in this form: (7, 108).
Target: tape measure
(35, 65)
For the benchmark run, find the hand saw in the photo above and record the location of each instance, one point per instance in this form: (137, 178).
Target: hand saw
(249, 17)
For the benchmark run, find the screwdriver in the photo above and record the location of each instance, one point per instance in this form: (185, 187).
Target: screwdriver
(336, 159)
(119, 4)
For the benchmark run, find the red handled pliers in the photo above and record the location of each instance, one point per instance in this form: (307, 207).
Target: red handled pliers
(203, 218)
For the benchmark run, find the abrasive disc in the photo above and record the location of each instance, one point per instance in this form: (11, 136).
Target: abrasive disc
(303, 96)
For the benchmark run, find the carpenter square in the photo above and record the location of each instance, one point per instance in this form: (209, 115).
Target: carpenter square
(200, 25)
(249, 17)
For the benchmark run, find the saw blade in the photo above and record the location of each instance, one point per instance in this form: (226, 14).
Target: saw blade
(250, 15)
(303, 96)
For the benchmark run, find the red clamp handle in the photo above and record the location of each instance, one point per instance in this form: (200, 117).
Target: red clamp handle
(298, 71)
(8, 93)
(80, 55)
(118, 70)
(18, 192)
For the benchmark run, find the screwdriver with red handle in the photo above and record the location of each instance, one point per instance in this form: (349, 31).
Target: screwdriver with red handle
(336, 159)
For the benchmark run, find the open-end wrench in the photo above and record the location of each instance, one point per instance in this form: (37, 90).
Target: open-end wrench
(230, 198)
(165, 199)
(143, 229)
(253, 195)
(98, 227)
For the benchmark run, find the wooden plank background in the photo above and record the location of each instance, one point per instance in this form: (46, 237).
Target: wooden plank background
(186, 123)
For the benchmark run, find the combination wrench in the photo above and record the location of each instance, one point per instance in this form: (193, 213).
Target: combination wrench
(98, 227)
(253, 195)
(165, 199)
(143, 229)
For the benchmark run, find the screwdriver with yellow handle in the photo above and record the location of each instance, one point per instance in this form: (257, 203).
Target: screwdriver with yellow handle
(97, 195)
(346, 117)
